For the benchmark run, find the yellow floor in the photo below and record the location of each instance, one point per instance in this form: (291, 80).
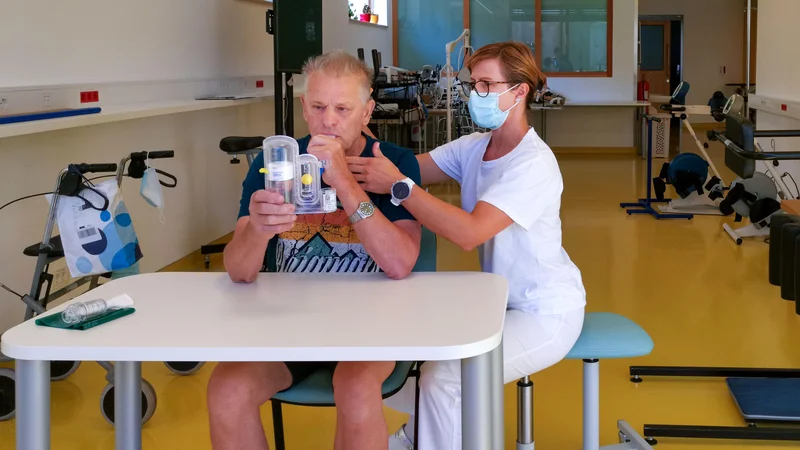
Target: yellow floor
(704, 301)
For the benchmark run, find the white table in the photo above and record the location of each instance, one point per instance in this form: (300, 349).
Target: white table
(280, 317)
(639, 107)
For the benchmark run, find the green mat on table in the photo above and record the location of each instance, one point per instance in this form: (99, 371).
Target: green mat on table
(55, 321)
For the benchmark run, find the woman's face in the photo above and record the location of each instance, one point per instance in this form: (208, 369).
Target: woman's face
(491, 70)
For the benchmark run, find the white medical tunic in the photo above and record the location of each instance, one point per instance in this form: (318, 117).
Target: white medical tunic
(526, 185)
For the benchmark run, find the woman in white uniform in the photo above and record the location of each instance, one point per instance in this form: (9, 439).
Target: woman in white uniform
(510, 200)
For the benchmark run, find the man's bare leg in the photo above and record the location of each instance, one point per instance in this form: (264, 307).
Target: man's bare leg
(236, 391)
(360, 424)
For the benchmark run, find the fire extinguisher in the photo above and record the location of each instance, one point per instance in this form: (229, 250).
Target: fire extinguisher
(644, 90)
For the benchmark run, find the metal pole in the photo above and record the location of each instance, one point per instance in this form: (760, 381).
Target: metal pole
(33, 404)
(591, 404)
(525, 414)
(476, 403)
(498, 420)
(290, 105)
(747, 88)
(128, 405)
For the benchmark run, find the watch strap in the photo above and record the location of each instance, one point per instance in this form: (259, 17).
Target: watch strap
(408, 182)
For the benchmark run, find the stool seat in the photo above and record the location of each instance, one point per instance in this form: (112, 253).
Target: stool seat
(608, 335)
(317, 389)
(234, 145)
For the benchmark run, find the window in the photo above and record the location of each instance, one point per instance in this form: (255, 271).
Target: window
(358, 5)
(377, 7)
(573, 36)
(424, 27)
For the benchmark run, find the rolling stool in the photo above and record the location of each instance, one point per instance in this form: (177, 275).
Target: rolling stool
(604, 335)
(317, 389)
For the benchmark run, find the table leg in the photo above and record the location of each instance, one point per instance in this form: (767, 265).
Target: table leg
(128, 405)
(479, 416)
(476, 423)
(33, 404)
(498, 419)
(544, 125)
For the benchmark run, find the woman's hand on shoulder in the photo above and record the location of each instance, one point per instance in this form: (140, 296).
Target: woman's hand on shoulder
(376, 174)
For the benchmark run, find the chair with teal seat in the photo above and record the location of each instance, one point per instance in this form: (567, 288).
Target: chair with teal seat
(604, 336)
(317, 389)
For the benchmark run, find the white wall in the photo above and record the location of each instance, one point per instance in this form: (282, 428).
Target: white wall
(86, 41)
(94, 41)
(600, 127)
(777, 66)
(778, 60)
(713, 37)
(340, 33)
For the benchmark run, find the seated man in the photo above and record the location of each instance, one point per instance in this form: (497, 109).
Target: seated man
(355, 238)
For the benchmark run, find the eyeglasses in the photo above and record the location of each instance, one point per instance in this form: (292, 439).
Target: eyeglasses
(481, 87)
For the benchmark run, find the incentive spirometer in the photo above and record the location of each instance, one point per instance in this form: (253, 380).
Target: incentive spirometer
(297, 177)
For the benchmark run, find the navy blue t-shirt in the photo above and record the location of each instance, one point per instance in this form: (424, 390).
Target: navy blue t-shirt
(327, 242)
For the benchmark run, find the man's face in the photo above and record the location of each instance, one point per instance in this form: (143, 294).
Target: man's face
(334, 106)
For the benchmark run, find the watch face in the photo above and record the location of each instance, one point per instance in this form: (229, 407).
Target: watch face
(366, 209)
(400, 191)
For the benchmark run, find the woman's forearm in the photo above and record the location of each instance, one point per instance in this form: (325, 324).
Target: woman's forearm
(391, 246)
(244, 255)
(444, 219)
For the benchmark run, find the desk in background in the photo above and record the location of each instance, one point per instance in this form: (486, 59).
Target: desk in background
(279, 317)
(639, 109)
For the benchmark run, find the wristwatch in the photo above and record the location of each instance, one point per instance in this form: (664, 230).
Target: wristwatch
(401, 190)
(364, 211)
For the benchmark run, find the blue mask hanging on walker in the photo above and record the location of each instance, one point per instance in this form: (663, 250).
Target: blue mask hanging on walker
(486, 112)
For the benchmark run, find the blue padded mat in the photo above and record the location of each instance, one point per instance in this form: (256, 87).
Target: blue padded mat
(774, 399)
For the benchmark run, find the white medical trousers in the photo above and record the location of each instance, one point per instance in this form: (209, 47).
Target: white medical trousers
(531, 343)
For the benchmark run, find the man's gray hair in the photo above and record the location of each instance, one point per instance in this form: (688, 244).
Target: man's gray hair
(338, 63)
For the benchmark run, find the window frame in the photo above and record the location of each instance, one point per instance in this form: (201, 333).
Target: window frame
(608, 73)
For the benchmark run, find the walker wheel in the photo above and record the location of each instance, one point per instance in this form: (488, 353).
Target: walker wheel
(184, 368)
(148, 402)
(738, 241)
(60, 370)
(7, 393)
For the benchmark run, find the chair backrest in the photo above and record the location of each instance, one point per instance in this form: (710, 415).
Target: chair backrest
(426, 262)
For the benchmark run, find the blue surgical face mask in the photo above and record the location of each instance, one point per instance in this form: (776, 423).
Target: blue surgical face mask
(485, 111)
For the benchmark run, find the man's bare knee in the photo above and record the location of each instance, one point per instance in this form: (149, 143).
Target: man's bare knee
(355, 385)
(245, 385)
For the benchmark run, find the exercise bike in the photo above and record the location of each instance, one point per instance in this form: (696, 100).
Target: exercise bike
(688, 172)
(753, 195)
(70, 183)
